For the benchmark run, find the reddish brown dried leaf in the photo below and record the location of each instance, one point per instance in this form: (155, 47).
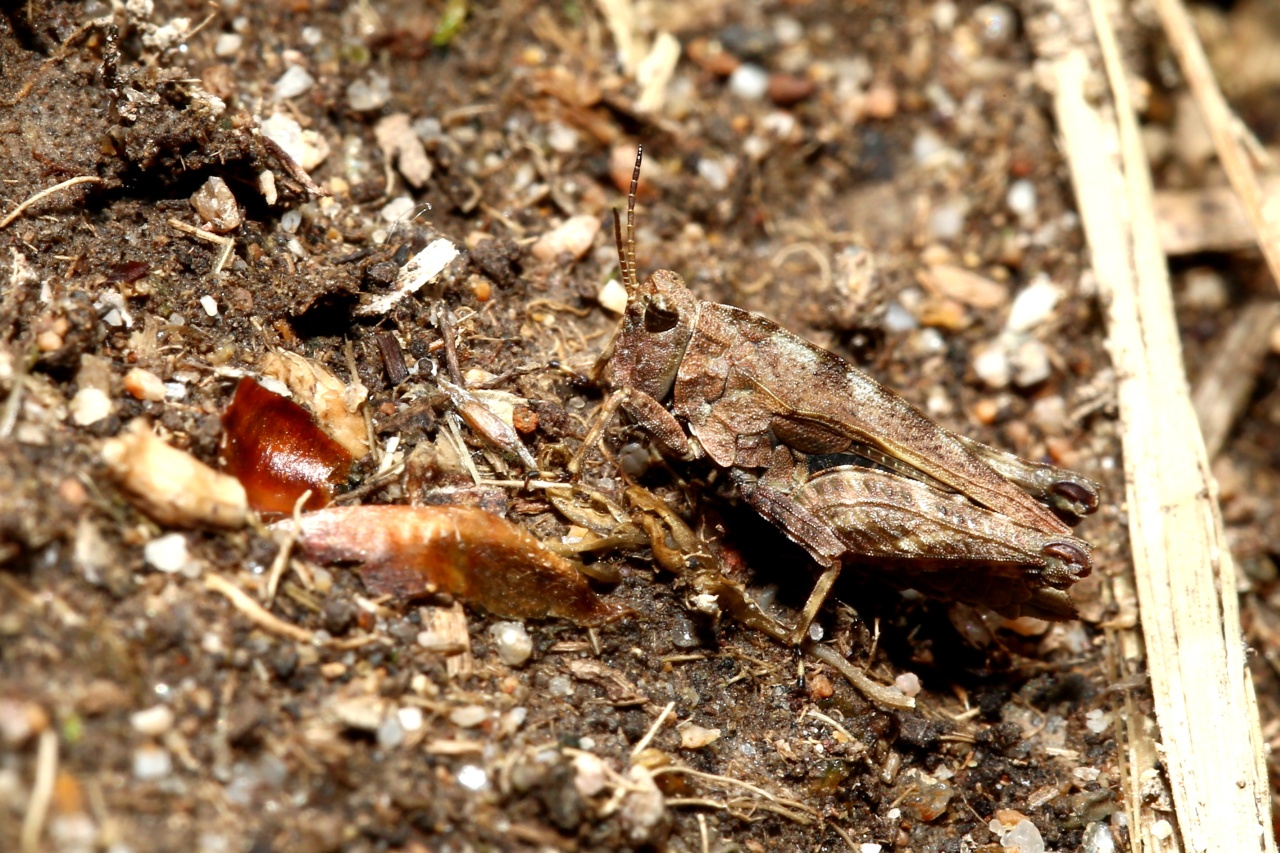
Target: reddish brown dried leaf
(275, 449)
(482, 559)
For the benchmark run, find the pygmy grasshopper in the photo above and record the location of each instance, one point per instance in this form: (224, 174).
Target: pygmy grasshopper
(846, 468)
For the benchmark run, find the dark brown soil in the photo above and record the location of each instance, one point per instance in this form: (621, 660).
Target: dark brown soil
(898, 130)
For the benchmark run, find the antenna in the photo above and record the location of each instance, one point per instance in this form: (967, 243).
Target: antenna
(624, 272)
(631, 221)
(627, 254)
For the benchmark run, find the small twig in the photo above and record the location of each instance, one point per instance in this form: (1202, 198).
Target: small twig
(255, 611)
(227, 243)
(643, 743)
(844, 834)
(286, 548)
(450, 348)
(881, 694)
(1223, 127)
(41, 791)
(818, 715)
(13, 404)
(735, 783)
(1222, 391)
(70, 182)
(368, 487)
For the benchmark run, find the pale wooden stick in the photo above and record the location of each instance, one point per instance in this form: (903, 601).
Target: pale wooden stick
(1185, 580)
(1223, 128)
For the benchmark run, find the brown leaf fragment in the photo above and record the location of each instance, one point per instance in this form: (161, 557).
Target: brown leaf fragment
(480, 558)
(276, 450)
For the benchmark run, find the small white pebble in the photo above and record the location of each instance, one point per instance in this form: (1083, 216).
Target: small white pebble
(574, 236)
(151, 763)
(472, 778)
(997, 23)
(512, 642)
(74, 832)
(1086, 774)
(1021, 199)
(267, 186)
(390, 733)
(908, 683)
(167, 553)
(175, 390)
(560, 685)
(991, 363)
(1033, 305)
(410, 718)
(469, 716)
(216, 205)
(589, 774)
(290, 220)
(369, 94)
(1097, 721)
(293, 82)
(285, 132)
(1162, 829)
(307, 148)
(787, 30)
(716, 172)
(926, 146)
(153, 721)
(613, 296)
(312, 36)
(1097, 839)
(870, 847)
(512, 720)
(561, 138)
(209, 304)
(1030, 361)
(945, 14)
(946, 220)
(898, 319)
(429, 129)
(1050, 414)
(1205, 289)
(396, 209)
(749, 82)
(1023, 838)
(227, 45)
(89, 406)
(693, 736)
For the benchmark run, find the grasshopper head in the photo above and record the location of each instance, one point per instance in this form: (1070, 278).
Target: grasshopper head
(659, 320)
(655, 331)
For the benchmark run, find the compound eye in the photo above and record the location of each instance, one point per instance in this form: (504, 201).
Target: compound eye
(659, 316)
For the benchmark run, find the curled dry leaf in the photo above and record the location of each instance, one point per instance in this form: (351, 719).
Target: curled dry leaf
(275, 449)
(478, 557)
(335, 404)
(171, 485)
